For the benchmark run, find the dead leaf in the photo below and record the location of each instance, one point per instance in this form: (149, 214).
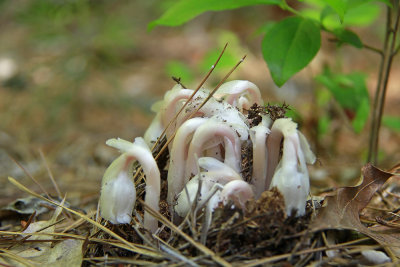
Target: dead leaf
(342, 210)
(65, 253)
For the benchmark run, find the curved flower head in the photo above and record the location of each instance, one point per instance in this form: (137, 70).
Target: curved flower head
(237, 191)
(118, 193)
(239, 93)
(134, 151)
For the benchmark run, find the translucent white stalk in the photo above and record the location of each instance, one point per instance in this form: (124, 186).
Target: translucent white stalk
(217, 173)
(141, 152)
(258, 135)
(178, 157)
(154, 131)
(207, 131)
(291, 175)
(274, 146)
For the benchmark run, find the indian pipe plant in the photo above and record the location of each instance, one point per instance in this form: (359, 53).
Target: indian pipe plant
(206, 130)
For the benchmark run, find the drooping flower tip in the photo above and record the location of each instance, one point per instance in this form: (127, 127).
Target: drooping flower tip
(117, 199)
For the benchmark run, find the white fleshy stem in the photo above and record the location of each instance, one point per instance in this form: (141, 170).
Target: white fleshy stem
(258, 135)
(290, 178)
(215, 151)
(208, 131)
(291, 175)
(178, 157)
(217, 173)
(171, 107)
(274, 140)
(141, 152)
(154, 131)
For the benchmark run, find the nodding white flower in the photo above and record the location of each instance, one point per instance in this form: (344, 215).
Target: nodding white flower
(136, 151)
(291, 175)
(239, 93)
(118, 193)
(237, 191)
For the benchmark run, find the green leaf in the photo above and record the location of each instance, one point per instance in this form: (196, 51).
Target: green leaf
(361, 116)
(185, 10)
(289, 46)
(350, 91)
(357, 13)
(391, 122)
(349, 37)
(339, 6)
(361, 14)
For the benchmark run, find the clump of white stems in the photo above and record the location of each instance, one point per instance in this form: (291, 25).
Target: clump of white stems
(205, 146)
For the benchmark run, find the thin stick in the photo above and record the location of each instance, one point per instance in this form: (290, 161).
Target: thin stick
(132, 246)
(17, 258)
(378, 88)
(383, 79)
(302, 252)
(50, 174)
(381, 100)
(178, 81)
(173, 227)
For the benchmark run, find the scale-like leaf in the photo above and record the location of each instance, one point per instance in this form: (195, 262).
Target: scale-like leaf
(289, 46)
(185, 10)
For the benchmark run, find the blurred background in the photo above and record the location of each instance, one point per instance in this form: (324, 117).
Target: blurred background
(75, 73)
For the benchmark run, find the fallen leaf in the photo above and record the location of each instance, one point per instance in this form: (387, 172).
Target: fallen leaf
(65, 253)
(342, 210)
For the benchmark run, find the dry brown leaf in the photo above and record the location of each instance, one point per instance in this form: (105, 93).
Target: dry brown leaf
(342, 210)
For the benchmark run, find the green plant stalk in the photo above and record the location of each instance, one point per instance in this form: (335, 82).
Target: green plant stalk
(384, 72)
